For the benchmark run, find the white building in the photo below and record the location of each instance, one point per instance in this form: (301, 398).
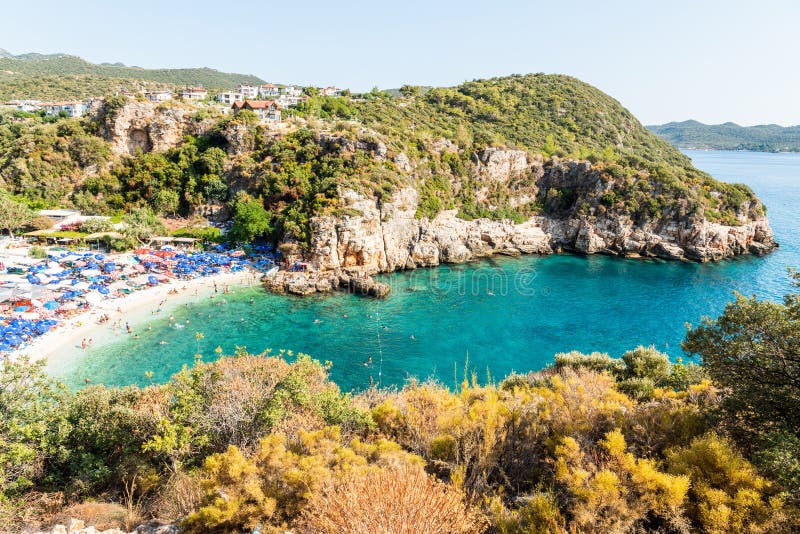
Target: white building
(331, 91)
(268, 91)
(72, 109)
(291, 90)
(25, 105)
(287, 101)
(158, 96)
(193, 93)
(229, 97)
(247, 91)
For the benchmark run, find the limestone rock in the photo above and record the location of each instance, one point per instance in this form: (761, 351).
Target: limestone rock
(146, 126)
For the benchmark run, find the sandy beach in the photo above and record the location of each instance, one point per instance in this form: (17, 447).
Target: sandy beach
(134, 309)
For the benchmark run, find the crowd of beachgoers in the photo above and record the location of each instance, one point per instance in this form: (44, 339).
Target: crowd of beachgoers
(40, 295)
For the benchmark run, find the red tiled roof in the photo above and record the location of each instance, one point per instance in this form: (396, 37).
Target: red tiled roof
(256, 104)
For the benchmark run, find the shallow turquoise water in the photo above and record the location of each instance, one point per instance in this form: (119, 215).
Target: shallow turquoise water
(503, 315)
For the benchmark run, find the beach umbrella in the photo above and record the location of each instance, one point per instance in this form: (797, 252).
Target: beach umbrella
(88, 273)
(152, 280)
(103, 290)
(51, 305)
(81, 285)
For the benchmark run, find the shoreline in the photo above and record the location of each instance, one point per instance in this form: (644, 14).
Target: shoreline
(65, 339)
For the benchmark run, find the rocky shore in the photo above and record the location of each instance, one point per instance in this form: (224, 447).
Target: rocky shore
(387, 235)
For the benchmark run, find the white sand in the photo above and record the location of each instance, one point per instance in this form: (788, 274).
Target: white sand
(134, 309)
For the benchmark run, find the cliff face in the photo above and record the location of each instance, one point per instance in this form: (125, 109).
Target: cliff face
(147, 127)
(387, 235)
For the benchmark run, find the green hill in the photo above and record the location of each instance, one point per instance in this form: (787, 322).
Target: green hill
(63, 76)
(730, 136)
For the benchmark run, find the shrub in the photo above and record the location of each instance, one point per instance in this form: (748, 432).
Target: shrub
(401, 500)
(727, 494)
(273, 485)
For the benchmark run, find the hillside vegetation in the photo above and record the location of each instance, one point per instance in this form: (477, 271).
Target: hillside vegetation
(730, 136)
(62, 76)
(299, 175)
(591, 444)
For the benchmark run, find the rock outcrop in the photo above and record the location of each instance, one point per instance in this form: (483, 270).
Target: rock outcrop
(146, 126)
(386, 235)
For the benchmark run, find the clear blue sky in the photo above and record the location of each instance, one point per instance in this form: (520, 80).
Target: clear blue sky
(709, 60)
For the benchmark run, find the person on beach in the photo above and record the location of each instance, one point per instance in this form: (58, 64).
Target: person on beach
(128, 328)
(91, 342)
(83, 344)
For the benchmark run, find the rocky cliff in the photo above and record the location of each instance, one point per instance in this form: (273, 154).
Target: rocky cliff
(382, 235)
(146, 126)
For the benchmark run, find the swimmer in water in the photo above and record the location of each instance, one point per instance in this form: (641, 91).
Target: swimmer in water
(413, 338)
(317, 321)
(162, 342)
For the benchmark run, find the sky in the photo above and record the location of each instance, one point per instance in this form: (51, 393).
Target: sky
(708, 60)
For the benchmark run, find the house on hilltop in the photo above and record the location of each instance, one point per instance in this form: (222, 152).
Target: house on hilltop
(291, 91)
(331, 91)
(268, 91)
(247, 90)
(229, 97)
(267, 110)
(158, 96)
(71, 109)
(193, 93)
(25, 105)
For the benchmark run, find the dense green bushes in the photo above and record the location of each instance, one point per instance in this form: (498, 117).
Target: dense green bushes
(441, 132)
(593, 444)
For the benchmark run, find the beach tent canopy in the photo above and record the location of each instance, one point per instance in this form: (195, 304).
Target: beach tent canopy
(38, 233)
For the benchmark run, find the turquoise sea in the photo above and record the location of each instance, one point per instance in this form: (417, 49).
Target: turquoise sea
(499, 315)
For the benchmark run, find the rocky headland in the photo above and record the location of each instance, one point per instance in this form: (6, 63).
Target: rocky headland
(384, 235)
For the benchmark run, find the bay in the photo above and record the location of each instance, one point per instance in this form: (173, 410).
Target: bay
(492, 317)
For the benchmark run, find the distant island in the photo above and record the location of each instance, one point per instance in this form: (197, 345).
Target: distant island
(730, 136)
(65, 76)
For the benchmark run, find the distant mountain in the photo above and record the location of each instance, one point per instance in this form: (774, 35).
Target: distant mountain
(730, 136)
(45, 76)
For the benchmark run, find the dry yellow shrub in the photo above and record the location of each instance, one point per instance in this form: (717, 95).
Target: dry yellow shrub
(397, 500)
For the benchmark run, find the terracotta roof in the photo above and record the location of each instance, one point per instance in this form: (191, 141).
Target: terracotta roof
(256, 104)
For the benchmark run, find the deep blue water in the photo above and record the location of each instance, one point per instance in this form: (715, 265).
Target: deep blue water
(502, 315)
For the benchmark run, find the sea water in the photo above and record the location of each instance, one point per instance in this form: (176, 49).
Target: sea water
(492, 317)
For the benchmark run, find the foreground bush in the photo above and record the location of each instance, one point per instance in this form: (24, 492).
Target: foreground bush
(272, 486)
(394, 500)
